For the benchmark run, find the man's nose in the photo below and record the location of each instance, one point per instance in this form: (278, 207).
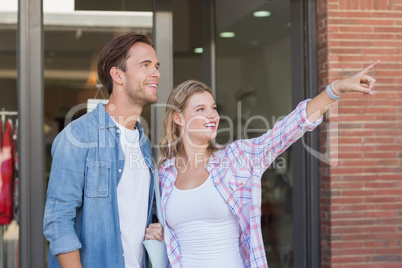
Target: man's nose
(155, 73)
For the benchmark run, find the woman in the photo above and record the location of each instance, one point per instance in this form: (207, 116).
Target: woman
(211, 196)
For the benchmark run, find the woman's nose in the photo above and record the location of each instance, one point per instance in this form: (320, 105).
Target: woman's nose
(212, 113)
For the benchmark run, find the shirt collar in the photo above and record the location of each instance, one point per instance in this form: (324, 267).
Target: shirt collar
(169, 163)
(106, 122)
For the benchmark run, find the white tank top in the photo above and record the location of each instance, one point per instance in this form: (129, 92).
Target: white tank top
(207, 231)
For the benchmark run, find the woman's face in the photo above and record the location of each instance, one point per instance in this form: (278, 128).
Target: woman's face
(200, 119)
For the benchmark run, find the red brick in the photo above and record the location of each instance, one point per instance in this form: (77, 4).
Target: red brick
(349, 200)
(380, 140)
(360, 251)
(390, 221)
(358, 192)
(381, 229)
(347, 245)
(359, 237)
(347, 185)
(381, 214)
(397, 206)
(347, 215)
(369, 134)
(381, 199)
(358, 207)
(390, 192)
(381, 185)
(391, 251)
(347, 259)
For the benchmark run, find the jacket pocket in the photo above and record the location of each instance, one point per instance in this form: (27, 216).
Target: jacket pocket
(240, 178)
(97, 178)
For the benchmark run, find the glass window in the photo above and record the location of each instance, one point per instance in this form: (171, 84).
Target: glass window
(253, 91)
(187, 40)
(75, 32)
(9, 207)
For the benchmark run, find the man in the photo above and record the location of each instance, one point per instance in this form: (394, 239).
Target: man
(100, 192)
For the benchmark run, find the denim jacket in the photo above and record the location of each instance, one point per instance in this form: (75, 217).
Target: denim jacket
(81, 208)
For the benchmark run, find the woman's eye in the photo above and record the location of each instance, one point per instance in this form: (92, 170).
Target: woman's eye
(200, 109)
(215, 108)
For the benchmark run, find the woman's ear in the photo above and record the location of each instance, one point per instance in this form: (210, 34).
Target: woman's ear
(178, 119)
(115, 73)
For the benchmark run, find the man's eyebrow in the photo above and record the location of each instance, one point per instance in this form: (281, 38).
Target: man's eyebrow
(149, 61)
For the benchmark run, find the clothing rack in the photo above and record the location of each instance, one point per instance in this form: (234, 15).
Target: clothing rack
(4, 113)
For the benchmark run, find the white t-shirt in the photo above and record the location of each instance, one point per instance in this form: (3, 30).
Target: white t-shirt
(132, 198)
(207, 231)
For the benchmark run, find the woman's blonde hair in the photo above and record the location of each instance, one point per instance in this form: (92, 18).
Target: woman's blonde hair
(171, 143)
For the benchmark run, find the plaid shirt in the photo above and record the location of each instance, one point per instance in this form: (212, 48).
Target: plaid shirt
(236, 172)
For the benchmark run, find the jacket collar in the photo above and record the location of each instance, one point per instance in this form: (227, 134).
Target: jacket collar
(106, 122)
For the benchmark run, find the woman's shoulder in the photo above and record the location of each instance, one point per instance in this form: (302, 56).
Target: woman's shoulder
(164, 164)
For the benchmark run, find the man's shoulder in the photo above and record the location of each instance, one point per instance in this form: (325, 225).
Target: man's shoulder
(82, 128)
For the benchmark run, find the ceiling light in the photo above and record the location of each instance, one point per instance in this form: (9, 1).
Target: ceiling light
(227, 34)
(198, 50)
(262, 14)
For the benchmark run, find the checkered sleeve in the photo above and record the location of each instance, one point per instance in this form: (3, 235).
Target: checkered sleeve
(263, 150)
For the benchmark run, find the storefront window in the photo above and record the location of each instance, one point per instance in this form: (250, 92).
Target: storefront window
(250, 43)
(253, 92)
(75, 32)
(9, 207)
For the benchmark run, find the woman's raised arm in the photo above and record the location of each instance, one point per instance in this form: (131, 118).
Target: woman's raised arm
(359, 82)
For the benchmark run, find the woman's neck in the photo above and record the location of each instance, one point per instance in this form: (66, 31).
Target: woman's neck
(192, 158)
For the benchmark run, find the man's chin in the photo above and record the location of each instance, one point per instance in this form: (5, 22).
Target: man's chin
(153, 100)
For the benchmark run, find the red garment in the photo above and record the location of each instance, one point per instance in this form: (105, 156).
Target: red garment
(6, 179)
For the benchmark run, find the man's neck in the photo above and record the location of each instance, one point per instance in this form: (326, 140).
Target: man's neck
(124, 115)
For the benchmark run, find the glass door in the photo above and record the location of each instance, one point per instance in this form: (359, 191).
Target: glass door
(74, 34)
(254, 89)
(9, 205)
(245, 51)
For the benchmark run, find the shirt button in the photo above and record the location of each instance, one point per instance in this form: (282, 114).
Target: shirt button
(241, 183)
(118, 131)
(226, 201)
(238, 217)
(119, 170)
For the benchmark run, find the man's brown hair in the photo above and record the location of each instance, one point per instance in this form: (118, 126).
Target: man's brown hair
(115, 54)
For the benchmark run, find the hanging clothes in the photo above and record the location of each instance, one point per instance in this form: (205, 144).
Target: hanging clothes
(6, 179)
(15, 173)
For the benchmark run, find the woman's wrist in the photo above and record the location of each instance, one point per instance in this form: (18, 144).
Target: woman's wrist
(333, 92)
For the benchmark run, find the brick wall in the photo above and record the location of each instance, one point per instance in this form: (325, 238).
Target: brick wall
(361, 189)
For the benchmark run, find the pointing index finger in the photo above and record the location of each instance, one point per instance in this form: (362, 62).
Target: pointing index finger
(371, 67)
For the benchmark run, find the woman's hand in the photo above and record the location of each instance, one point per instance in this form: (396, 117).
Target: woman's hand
(154, 231)
(360, 82)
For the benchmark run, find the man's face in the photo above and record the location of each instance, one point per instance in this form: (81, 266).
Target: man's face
(142, 75)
